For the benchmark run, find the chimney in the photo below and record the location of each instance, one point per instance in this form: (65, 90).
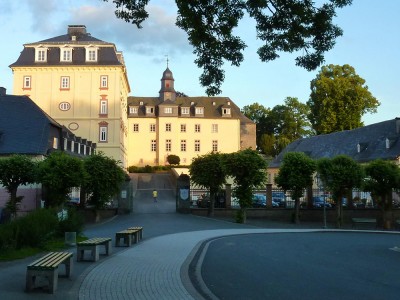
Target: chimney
(3, 91)
(76, 30)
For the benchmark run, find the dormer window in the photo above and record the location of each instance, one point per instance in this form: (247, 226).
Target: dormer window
(150, 110)
(41, 54)
(66, 54)
(199, 110)
(185, 110)
(226, 111)
(361, 147)
(133, 110)
(141, 103)
(91, 53)
(168, 110)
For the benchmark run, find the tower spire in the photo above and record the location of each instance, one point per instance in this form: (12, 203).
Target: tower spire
(167, 59)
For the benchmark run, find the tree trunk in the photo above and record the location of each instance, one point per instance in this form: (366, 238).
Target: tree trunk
(296, 218)
(212, 204)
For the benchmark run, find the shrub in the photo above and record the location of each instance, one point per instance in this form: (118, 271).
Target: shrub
(35, 228)
(7, 241)
(74, 222)
(173, 159)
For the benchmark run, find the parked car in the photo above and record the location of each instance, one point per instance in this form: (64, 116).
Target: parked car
(261, 201)
(204, 200)
(279, 198)
(319, 202)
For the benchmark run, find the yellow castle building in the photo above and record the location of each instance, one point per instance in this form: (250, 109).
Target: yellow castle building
(81, 82)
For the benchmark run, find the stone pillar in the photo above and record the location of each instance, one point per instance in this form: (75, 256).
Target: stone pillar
(268, 193)
(228, 195)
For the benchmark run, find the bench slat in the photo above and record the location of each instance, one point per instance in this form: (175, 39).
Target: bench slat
(50, 261)
(94, 241)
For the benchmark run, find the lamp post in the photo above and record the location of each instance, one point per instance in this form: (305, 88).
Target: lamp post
(320, 185)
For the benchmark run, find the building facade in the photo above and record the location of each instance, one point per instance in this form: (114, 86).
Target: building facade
(81, 82)
(184, 126)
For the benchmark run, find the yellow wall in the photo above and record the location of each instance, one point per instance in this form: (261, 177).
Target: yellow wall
(140, 154)
(84, 96)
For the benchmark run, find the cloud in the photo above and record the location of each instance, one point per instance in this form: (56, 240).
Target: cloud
(159, 35)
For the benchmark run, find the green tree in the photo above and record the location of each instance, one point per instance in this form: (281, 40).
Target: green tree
(258, 114)
(208, 171)
(16, 170)
(382, 178)
(247, 168)
(338, 100)
(282, 25)
(267, 145)
(173, 159)
(340, 175)
(291, 119)
(59, 173)
(104, 180)
(295, 175)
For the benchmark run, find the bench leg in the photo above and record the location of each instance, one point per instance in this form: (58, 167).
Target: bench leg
(95, 253)
(128, 240)
(80, 253)
(30, 280)
(68, 266)
(53, 281)
(108, 248)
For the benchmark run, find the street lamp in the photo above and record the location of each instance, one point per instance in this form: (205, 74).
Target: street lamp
(321, 186)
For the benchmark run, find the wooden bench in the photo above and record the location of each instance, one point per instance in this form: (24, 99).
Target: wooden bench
(363, 221)
(47, 266)
(93, 245)
(128, 235)
(140, 229)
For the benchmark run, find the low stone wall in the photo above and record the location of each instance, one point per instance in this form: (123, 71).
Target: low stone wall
(103, 214)
(306, 215)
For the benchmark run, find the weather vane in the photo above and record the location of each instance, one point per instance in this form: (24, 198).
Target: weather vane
(166, 55)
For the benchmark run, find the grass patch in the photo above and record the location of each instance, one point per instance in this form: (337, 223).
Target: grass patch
(57, 244)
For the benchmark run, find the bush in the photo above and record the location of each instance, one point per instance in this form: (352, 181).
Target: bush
(74, 222)
(35, 228)
(7, 241)
(173, 159)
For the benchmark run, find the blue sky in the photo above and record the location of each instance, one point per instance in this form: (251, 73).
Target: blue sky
(370, 43)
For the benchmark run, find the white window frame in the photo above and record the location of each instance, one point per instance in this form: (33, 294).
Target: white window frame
(103, 107)
(199, 111)
(168, 127)
(64, 83)
(41, 54)
(104, 82)
(149, 110)
(66, 54)
(91, 53)
(214, 128)
(64, 106)
(55, 143)
(103, 133)
(27, 82)
(185, 110)
(136, 127)
(133, 110)
(168, 110)
(226, 111)
(197, 128)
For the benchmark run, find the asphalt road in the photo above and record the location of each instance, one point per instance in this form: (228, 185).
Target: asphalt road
(299, 266)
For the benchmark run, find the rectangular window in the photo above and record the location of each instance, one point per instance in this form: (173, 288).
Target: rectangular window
(183, 145)
(66, 55)
(103, 134)
(183, 127)
(133, 110)
(135, 127)
(150, 110)
(55, 143)
(41, 54)
(168, 110)
(153, 145)
(103, 107)
(64, 83)
(168, 127)
(152, 127)
(226, 111)
(197, 145)
(196, 127)
(185, 110)
(27, 82)
(199, 110)
(92, 55)
(103, 82)
(215, 146)
(168, 145)
(214, 128)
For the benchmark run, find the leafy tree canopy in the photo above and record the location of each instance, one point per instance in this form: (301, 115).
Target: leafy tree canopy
(104, 180)
(282, 25)
(173, 159)
(338, 100)
(59, 173)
